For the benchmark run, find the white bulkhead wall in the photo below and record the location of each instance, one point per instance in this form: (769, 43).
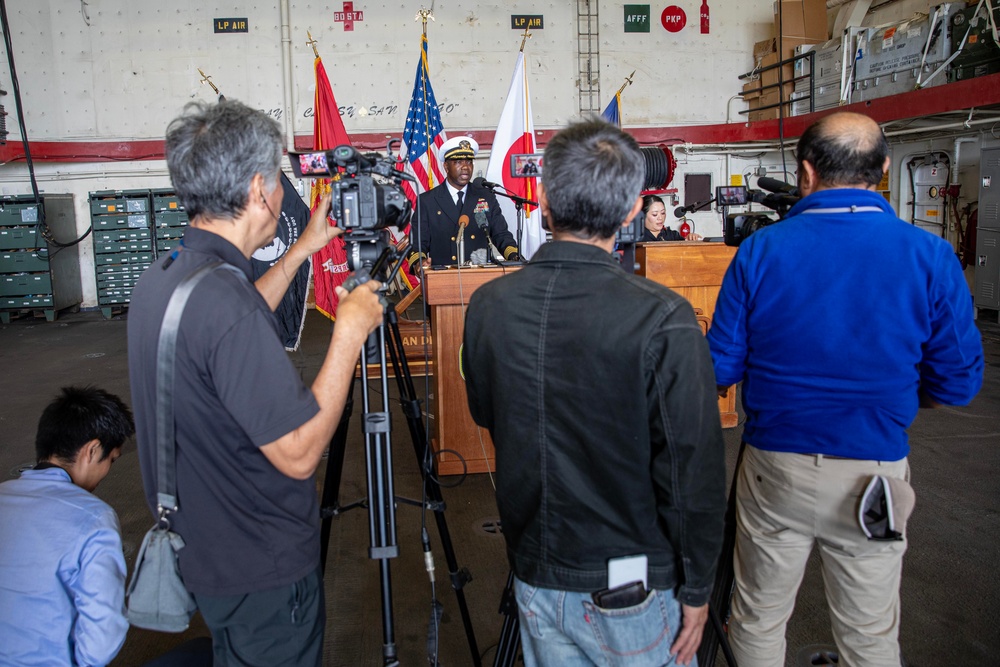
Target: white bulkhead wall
(120, 70)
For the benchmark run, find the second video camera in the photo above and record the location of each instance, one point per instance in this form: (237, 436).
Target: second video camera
(738, 226)
(360, 203)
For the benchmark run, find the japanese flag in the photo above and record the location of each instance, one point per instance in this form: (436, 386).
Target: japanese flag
(516, 134)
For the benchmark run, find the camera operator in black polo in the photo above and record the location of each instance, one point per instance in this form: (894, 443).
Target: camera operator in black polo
(249, 433)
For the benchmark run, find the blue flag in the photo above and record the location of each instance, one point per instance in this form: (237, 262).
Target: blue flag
(612, 113)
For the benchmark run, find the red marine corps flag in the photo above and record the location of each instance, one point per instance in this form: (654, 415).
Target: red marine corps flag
(516, 134)
(330, 263)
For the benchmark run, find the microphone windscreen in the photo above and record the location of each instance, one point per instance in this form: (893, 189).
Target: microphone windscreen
(463, 220)
(479, 180)
(774, 185)
(680, 211)
(481, 219)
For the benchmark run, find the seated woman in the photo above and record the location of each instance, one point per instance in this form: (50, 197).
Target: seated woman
(655, 218)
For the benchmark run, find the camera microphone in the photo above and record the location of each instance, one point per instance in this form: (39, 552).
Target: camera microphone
(483, 183)
(774, 185)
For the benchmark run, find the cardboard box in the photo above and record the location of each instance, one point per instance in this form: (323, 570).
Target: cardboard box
(751, 90)
(762, 48)
(801, 19)
(789, 46)
(767, 98)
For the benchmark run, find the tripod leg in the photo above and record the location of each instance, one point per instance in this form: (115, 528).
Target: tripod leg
(414, 419)
(329, 505)
(510, 633)
(722, 592)
(381, 494)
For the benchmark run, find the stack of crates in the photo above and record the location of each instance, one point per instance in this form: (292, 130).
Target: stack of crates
(33, 277)
(827, 69)
(169, 220)
(896, 57)
(833, 65)
(972, 32)
(123, 244)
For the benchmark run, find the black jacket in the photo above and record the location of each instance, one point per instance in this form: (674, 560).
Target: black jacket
(666, 234)
(597, 388)
(435, 225)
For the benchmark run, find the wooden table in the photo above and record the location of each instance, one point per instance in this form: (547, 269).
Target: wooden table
(695, 271)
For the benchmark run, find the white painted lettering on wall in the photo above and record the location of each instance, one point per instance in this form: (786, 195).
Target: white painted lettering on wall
(377, 110)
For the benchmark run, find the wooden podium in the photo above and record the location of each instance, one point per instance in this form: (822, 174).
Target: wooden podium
(695, 271)
(447, 293)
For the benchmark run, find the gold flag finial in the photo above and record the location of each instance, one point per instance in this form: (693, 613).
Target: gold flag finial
(422, 16)
(312, 43)
(207, 79)
(628, 82)
(525, 37)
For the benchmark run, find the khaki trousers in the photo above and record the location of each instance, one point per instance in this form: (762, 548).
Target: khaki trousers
(786, 503)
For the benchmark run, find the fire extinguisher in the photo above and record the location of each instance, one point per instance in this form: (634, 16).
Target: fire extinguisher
(684, 229)
(704, 17)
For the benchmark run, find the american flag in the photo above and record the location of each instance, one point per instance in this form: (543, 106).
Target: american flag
(424, 134)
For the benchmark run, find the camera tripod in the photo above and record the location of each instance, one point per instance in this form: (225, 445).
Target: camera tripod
(381, 499)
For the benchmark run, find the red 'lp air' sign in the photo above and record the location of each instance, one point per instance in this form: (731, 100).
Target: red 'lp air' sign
(673, 19)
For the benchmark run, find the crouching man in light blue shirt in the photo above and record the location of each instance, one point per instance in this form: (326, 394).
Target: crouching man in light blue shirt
(62, 572)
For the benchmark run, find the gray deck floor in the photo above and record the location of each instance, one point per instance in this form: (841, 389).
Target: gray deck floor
(950, 592)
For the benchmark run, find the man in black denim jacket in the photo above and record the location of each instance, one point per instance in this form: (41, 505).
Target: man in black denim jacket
(597, 388)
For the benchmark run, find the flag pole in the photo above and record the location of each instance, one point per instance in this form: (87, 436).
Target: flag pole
(424, 14)
(207, 79)
(524, 118)
(628, 82)
(316, 140)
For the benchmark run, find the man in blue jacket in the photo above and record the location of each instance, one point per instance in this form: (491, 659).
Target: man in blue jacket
(841, 320)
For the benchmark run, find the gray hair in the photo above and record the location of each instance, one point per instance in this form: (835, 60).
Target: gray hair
(593, 175)
(213, 152)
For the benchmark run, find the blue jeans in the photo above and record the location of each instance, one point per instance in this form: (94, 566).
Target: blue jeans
(565, 629)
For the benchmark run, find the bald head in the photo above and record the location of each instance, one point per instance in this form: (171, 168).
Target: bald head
(844, 150)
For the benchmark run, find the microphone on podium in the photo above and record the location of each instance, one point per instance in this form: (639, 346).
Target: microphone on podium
(482, 182)
(481, 221)
(463, 222)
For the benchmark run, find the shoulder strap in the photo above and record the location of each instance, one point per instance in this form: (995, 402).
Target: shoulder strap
(166, 445)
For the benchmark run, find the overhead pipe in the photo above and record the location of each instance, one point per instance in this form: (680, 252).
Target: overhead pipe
(955, 155)
(286, 74)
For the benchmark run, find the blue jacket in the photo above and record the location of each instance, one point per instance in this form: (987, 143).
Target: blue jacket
(835, 321)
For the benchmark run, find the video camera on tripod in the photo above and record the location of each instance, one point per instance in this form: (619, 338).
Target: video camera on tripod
(780, 197)
(362, 206)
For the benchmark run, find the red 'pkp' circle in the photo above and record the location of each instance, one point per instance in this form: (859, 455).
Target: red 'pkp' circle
(673, 19)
